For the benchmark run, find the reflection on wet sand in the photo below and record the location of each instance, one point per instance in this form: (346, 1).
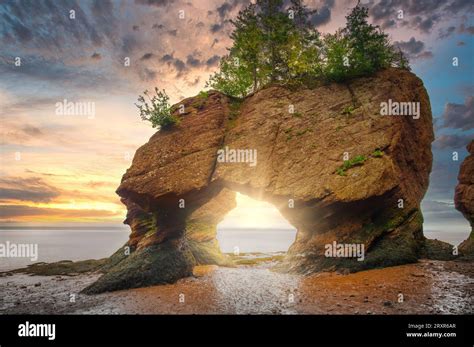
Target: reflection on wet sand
(426, 287)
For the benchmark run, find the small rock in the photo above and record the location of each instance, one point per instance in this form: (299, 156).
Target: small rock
(38, 284)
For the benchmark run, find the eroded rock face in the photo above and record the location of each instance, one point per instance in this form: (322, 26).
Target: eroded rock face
(375, 203)
(464, 198)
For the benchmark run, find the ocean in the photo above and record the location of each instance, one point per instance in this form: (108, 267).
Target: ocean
(255, 240)
(57, 244)
(63, 244)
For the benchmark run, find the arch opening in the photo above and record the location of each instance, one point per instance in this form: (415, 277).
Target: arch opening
(254, 226)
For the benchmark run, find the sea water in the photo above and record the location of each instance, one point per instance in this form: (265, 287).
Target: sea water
(62, 244)
(57, 244)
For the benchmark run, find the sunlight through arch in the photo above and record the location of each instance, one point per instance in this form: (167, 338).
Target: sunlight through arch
(254, 226)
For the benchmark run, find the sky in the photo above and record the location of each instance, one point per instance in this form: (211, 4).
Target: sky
(59, 168)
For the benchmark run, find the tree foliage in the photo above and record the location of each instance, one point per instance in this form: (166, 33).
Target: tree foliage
(275, 41)
(271, 42)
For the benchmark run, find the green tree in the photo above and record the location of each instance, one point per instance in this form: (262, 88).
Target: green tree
(248, 43)
(156, 109)
(400, 60)
(369, 48)
(234, 78)
(304, 45)
(276, 27)
(336, 48)
(274, 41)
(291, 43)
(271, 42)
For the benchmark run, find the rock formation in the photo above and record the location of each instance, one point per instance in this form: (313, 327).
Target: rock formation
(464, 198)
(176, 190)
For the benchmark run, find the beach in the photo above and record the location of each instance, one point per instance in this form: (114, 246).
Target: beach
(427, 287)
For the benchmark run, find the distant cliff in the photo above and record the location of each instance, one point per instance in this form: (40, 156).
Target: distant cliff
(346, 163)
(464, 198)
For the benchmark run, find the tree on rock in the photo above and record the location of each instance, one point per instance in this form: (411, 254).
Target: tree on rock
(274, 41)
(369, 48)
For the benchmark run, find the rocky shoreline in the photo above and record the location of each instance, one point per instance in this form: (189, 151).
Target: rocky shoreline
(428, 287)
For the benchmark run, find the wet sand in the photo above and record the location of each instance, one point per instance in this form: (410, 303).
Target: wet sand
(428, 287)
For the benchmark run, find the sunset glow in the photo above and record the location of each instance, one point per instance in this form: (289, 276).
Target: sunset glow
(61, 168)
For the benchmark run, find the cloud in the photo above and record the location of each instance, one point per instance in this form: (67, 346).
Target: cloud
(452, 141)
(31, 130)
(35, 68)
(45, 173)
(26, 189)
(96, 56)
(216, 27)
(421, 15)
(58, 30)
(228, 6)
(411, 47)
(194, 82)
(171, 61)
(192, 61)
(213, 61)
(147, 56)
(414, 49)
(446, 32)
(17, 105)
(179, 65)
(457, 6)
(459, 116)
(323, 14)
(17, 211)
(466, 30)
(86, 54)
(147, 74)
(157, 3)
(424, 55)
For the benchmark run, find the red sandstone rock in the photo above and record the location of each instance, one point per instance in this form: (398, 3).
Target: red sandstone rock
(298, 157)
(464, 197)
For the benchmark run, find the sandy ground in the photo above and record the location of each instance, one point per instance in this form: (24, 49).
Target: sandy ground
(428, 287)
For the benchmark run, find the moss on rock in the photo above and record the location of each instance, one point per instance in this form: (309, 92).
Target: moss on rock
(157, 264)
